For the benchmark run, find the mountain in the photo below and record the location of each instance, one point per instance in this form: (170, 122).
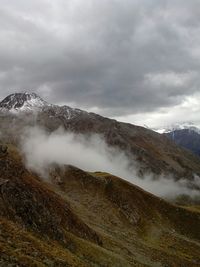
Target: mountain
(186, 138)
(73, 217)
(179, 126)
(22, 102)
(186, 135)
(81, 219)
(154, 152)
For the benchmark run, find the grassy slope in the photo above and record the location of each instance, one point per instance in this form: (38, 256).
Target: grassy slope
(95, 220)
(26, 248)
(150, 230)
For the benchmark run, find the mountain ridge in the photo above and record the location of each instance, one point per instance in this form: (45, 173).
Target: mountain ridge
(153, 152)
(22, 102)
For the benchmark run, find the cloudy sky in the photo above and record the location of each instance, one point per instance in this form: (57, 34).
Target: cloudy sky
(134, 60)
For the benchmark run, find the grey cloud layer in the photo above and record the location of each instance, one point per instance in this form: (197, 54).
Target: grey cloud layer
(123, 57)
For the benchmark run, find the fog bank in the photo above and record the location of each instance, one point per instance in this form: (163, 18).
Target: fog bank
(91, 153)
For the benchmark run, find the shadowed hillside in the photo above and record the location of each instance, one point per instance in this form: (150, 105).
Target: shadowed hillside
(186, 138)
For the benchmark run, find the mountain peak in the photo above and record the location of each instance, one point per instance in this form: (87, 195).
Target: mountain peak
(22, 101)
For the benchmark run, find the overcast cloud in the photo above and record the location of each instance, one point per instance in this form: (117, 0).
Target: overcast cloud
(135, 60)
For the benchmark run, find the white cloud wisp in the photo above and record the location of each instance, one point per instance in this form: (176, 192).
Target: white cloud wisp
(91, 153)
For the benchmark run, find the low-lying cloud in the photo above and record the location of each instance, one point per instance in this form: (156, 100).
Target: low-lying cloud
(91, 153)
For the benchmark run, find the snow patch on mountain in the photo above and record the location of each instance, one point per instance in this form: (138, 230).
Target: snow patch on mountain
(179, 126)
(22, 102)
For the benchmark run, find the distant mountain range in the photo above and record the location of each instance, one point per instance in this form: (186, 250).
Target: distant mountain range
(186, 135)
(179, 126)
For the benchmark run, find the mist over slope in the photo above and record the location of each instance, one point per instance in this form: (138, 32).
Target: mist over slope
(93, 142)
(89, 217)
(91, 153)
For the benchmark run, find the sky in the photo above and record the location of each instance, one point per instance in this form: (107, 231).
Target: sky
(134, 60)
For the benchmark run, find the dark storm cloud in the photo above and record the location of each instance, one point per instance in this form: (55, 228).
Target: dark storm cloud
(122, 57)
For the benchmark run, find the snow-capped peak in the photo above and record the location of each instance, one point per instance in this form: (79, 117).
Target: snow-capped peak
(179, 126)
(22, 102)
(19, 103)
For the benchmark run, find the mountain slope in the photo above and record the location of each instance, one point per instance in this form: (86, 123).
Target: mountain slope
(186, 135)
(76, 218)
(25, 200)
(154, 152)
(89, 219)
(186, 138)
